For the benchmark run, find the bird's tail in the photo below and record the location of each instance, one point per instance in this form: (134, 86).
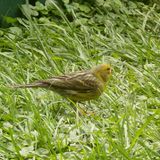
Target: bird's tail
(32, 85)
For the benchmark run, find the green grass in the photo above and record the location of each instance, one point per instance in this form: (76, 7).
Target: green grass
(39, 124)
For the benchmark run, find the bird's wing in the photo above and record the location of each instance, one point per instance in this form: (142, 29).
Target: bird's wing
(81, 81)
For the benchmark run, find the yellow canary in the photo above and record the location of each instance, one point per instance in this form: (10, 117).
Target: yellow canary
(77, 86)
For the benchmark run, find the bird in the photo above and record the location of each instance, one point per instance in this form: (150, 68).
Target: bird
(77, 86)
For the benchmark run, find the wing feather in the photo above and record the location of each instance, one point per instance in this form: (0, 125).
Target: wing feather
(81, 81)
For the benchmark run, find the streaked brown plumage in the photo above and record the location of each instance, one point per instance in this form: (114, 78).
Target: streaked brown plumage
(78, 86)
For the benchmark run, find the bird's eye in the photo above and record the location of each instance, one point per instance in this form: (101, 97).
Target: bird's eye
(108, 69)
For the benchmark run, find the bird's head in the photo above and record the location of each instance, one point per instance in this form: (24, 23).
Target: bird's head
(102, 71)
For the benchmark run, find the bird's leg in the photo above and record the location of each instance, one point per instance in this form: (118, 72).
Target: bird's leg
(89, 112)
(81, 110)
(76, 108)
